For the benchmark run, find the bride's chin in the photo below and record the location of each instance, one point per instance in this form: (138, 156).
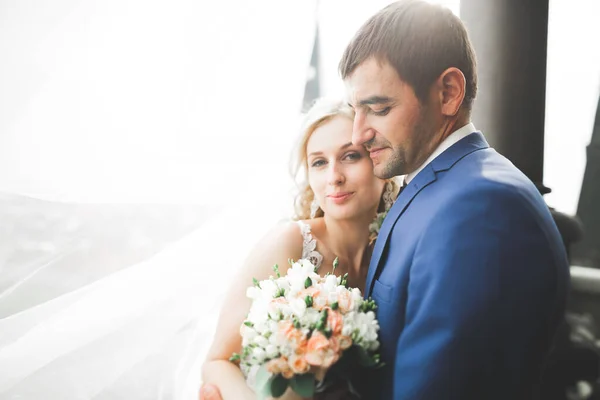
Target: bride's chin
(344, 213)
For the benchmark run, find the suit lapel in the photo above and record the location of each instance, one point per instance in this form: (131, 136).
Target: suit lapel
(426, 177)
(423, 179)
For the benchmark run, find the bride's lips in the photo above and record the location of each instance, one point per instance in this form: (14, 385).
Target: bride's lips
(340, 197)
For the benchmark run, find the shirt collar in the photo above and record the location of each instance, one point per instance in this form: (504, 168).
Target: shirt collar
(454, 137)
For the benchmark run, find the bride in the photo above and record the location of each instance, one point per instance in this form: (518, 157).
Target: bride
(335, 211)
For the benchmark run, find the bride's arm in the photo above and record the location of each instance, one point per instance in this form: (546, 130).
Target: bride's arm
(279, 245)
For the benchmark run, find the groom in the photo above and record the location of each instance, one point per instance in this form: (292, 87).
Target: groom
(469, 271)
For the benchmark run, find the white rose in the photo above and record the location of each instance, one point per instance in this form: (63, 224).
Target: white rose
(260, 327)
(357, 295)
(371, 336)
(332, 297)
(249, 334)
(258, 310)
(311, 316)
(298, 307)
(276, 339)
(370, 316)
(347, 330)
(320, 301)
(269, 288)
(283, 283)
(271, 351)
(296, 278)
(253, 292)
(307, 266)
(331, 282)
(261, 341)
(259, 354)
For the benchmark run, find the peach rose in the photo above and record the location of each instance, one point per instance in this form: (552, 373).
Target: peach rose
(298, 364)
(290, 332)
(311, 291)
(277, 365)
(345, 301)
(287, 373)
(334, 344)
(344, 342)
(335, 321)
(329, 359)
(285, 327)
(316, 348)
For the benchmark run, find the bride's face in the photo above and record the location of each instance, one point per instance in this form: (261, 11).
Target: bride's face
(340, 173)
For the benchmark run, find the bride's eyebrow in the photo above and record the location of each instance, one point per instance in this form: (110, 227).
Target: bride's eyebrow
(318, 153)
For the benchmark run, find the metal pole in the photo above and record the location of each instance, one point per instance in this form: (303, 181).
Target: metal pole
(587, 252)
(510, 40)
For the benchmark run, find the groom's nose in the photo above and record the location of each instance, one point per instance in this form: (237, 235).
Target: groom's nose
(361, 130)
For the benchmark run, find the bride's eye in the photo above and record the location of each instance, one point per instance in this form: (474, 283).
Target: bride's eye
(352, 156)
(317, 163)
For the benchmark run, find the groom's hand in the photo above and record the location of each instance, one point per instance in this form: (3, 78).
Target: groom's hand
(210, 392)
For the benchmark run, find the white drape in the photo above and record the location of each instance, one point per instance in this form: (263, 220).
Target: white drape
(135, 101)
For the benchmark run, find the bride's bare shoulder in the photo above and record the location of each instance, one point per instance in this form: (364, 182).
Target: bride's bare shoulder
(282, 242)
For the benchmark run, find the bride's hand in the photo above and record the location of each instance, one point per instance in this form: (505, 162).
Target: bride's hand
(210, 392)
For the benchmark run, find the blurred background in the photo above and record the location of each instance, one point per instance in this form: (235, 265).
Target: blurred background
(144, 149)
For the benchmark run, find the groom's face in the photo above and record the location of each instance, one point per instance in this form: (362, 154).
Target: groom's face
(391, 123)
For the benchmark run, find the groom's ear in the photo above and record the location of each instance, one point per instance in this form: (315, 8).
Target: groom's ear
(451, 87)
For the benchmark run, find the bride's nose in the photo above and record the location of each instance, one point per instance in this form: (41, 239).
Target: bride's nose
(335, 175)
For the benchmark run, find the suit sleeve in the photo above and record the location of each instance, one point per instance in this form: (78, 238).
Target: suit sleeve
(458, 290)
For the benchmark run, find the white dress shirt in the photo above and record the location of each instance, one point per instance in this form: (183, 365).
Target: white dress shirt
(445, 145)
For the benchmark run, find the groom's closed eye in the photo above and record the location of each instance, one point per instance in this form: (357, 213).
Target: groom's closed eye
(381, 112)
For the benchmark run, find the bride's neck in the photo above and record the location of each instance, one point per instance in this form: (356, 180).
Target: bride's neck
(348, 239)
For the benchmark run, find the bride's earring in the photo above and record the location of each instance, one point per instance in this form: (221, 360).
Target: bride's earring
(388, 196)
(314, 207)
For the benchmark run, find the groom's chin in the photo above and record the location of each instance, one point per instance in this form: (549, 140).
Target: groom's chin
(382, 171)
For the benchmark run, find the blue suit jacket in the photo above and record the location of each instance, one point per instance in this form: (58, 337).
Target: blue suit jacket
(470, 276)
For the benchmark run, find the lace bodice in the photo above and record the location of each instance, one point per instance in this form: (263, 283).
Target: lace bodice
(309, 245)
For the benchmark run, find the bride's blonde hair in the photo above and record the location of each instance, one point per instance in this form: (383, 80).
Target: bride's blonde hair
(322, 111)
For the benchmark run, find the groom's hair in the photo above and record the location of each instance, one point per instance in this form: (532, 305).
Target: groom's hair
(420, 41)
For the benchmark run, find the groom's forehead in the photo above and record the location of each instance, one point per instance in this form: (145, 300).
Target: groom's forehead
(370, 79)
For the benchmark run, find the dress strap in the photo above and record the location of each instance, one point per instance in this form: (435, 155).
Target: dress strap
(309, 245)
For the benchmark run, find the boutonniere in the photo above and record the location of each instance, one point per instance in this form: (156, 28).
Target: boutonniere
(375, 226)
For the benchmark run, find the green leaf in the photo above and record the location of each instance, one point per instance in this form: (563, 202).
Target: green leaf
(334, 305)
(255, 282)
(336, 262)
(278, 385)
(235, 357)
(276, 269)
(324, 316)
(308, 300)
(307, 283)
(249, 324)
(364, 359)
(303, 385)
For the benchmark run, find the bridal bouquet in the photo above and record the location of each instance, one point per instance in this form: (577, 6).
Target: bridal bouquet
(301, 326)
